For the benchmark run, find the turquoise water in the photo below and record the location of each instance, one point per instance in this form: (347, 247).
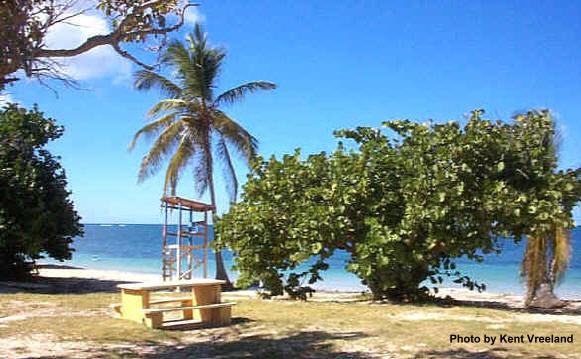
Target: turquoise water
(137, 248)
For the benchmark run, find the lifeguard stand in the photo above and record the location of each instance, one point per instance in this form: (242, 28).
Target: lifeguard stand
(180, 241)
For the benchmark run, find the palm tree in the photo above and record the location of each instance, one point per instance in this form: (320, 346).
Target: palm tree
(190, 127)
(544, 263)
(548, 248)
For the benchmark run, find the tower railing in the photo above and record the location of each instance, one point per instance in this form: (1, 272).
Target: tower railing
(179, 259)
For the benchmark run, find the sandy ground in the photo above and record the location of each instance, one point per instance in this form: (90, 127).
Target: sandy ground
(108, 275)
(514, 301)
(62, 279)
(66, 279)
(119, 276)
(93, 279)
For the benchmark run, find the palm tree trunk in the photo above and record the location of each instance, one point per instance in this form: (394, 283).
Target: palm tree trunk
(221, 273)
(540, 291)
(544, 298)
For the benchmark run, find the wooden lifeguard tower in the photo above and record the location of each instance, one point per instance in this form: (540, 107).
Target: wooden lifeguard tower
(185, 248)
(180, 241)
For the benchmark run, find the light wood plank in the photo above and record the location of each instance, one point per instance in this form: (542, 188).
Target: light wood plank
(200, 282)
(173, 309)
(170, 300)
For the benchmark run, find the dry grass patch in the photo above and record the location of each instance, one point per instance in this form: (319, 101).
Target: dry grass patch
(81, 325)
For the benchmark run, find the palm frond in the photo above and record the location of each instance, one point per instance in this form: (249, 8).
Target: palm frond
(179, 59)
(206, 62)
(534, 264)
(168, 104)
(561, 254)
(176, 56)
(238, 93)
(241, 140)
(163, 145)
(146, 80)
(211, 68)
(223, 154)
(204, 163)
(184, 154)
(199, 35)
(202, 172)
(153, 127)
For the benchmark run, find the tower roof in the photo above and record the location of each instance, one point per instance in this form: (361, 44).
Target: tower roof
(187, 203)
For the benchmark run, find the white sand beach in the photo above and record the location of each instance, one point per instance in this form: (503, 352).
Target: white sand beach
(98, 276)
(66, 311)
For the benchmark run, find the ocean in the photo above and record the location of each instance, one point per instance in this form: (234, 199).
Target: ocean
(137, 248)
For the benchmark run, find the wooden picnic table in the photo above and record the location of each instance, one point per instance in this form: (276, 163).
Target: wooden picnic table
(203, 307)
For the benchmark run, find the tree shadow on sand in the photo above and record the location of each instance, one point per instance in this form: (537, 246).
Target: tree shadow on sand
(497, 353)
(55, 285)
(572, 307)
(304, 344)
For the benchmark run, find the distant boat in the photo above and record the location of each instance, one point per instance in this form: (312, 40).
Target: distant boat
(121, 225)
(105, 225)
(95, 258)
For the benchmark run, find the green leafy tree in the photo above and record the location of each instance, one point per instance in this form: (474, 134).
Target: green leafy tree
(404, 207)
(293, 211)
(37, 217)
(190, 126)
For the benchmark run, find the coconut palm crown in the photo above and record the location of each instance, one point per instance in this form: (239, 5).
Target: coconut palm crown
(189, 127)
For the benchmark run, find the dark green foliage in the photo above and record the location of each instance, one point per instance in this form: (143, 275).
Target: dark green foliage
(36, 213)
(404, 208)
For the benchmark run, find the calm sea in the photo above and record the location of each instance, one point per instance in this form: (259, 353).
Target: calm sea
(137, 248)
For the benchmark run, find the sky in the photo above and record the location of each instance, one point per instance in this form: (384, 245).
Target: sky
(337, 64)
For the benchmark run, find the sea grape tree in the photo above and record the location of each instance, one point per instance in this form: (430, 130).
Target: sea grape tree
(293, 211)
(403, 206)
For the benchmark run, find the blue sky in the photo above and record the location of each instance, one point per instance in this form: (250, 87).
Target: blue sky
(338, 65)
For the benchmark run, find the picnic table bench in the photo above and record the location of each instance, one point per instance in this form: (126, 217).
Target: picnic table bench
(203, 307)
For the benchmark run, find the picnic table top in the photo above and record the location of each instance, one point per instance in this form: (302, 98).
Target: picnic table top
(171, 284)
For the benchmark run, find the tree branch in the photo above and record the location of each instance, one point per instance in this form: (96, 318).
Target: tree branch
(163, 30)
(132, 58)
(89, 44)
(115, 38)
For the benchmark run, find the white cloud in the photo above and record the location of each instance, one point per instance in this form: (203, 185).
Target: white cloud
(100, 62)
(5, 98)
(193, 16)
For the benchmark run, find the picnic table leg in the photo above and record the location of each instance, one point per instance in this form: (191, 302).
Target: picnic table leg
(132, 304)
(154, 320)
(187, 313)
(203, 295)
(223, 315)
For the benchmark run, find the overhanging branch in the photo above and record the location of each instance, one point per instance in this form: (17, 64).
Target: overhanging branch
(132, 58)
(114, 39)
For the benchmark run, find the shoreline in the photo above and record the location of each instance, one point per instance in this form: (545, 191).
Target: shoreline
(135, 248)
(59, 279)
(55, 271)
